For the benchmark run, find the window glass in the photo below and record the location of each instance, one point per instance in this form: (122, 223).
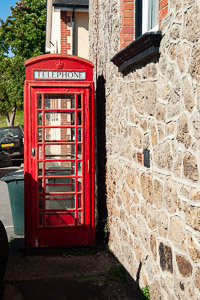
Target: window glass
(146, 16)
(57, 101)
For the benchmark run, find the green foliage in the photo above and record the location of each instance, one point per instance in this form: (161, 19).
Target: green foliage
(117, 273)
(23, 33)
(106, 229)
(145, 293)
(11, 83)
(11, 240)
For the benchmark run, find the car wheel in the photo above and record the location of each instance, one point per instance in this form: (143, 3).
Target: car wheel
(3, 255)
(8, 140)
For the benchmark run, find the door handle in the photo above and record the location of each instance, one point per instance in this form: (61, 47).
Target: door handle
(33, 152)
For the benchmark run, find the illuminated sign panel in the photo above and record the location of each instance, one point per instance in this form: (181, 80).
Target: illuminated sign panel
(80, 75)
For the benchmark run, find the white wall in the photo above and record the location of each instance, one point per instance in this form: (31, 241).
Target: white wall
(56, 32)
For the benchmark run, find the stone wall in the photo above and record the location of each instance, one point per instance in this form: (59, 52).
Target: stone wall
(154, 213)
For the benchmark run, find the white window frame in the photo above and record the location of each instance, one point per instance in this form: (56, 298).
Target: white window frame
(147, 15)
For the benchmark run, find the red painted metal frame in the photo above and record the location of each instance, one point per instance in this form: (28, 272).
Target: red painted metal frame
(58, 236)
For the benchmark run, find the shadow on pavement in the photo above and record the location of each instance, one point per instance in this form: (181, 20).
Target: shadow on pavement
(66, 273)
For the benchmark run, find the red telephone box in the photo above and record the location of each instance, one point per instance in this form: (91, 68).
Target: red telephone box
(59, 151)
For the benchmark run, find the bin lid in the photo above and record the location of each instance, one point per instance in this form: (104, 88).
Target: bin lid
(17, 175)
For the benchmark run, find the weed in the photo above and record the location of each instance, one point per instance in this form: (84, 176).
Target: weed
(106, 229)
(79, 276)
(107, 250)
(80, 252)
(11, 240)
(145, 293)
(116, 273)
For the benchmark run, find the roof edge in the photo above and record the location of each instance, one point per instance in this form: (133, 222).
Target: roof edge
(55, 56)
(83, 6)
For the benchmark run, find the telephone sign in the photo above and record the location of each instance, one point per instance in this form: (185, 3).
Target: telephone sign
(59, 75)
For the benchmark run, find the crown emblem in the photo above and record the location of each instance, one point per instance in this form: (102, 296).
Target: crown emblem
(59, 64)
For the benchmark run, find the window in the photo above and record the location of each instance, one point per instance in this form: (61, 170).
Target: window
(146, 16)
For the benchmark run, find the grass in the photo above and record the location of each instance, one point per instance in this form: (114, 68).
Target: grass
(117, 273)
(19, 119)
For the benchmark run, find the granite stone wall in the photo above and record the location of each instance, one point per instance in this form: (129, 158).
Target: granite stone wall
(154, 213)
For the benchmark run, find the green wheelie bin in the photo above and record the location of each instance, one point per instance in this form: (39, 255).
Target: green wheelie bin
(15, 182)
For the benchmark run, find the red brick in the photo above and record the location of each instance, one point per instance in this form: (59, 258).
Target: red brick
(127, 21)
(65, 32)
(164, 12)
(128, 14)
(165, 2)
(128, 37)
(128, 6)
(129, 30)
(124, 44)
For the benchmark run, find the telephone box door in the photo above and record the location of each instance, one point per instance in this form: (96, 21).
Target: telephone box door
(60, 158)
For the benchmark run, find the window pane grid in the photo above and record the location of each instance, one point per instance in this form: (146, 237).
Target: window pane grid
(47, 215)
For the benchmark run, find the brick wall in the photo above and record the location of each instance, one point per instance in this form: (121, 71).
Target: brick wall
(65, 32)
(128, 22)
(163, 10)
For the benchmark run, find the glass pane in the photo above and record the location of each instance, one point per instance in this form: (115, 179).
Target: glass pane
(79, 181)
(60, 202)
(40, 135)
(79, 135)
(59, 118)
(39, 152)
(79, 100)
(40, 186)
(79, 150)
(59, 219)
(60, 185)
(154, 14)
(79, 118)
(79, 168)
(79, 218)
(60, 168)
(40, 168)
(79, 200)
(40, 219)
(39, 101)
(60, 152)
(40, 118)
(59, 135)
(59, 101)
(40, 202)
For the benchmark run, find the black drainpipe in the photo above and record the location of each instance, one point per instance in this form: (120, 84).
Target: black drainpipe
(73, 31)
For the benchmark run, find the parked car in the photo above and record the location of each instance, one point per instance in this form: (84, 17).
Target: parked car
(5, 160)
(12, 142)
